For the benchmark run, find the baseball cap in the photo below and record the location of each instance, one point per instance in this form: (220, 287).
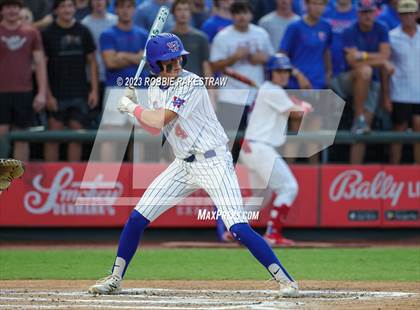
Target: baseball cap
(366, 5)
(408, 6)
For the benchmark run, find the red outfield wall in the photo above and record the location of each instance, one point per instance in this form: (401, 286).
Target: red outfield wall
(329, 196)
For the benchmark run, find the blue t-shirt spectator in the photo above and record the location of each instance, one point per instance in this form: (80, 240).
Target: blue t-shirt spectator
(369, 41)
(146, 13)
(214, 24)
(305, 45)
(339, 21)
(389, 17)
(123, 41)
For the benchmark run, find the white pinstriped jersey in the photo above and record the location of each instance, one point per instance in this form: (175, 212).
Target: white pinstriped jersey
(196, 129)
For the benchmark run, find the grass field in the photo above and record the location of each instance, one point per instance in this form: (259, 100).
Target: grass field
(357, 264)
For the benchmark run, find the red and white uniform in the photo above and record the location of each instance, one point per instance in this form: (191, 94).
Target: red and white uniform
(266, 131)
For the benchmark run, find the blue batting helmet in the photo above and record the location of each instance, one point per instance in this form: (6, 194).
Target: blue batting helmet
(164, 46)
(279, 62)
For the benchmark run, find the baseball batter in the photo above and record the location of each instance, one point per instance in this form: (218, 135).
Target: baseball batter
(266, 131)
(184, 112)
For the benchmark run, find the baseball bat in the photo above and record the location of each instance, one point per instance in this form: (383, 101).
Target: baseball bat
(240, 77)
(300, 105)
(157, 28)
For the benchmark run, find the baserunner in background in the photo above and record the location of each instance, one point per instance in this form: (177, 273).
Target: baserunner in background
(269, 174)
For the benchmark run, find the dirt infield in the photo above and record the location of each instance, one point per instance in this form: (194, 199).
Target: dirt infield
(56, 294)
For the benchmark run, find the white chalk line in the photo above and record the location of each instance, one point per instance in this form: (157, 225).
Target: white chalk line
(185, 301)
(141, 293)
(158, 293)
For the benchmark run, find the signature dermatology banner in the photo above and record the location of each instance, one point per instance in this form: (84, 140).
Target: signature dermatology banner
(55, 195)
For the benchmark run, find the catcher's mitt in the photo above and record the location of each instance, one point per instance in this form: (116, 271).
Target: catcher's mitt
(10, 169)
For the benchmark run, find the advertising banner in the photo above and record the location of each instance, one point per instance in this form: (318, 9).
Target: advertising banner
(335, 196)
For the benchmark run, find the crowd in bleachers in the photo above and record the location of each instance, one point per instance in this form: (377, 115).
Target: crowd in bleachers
(60, 58)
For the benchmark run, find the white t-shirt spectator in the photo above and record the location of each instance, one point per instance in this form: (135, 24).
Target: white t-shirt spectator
(226, 43)
(276, 25)
(405, 55)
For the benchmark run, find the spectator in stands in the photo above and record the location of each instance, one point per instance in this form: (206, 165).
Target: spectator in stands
(195, 41)
(97, 22)
(306, 42)
(200, 13)
(405, 82)
(367, 50)
(41, 12)
(147, 11)
(220, 19)
(389, 15)
(83, 9)
(69, 48)
(276, 23)
(245, 48)
(340, 17)
(20, 46)
(26, 16)
(122, 47)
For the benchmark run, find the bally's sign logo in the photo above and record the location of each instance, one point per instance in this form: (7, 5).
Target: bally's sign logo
(351, 184)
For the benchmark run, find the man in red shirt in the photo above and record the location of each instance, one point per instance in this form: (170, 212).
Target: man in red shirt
(20, 47)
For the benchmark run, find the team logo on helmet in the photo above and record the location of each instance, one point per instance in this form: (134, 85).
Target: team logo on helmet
(173, 46)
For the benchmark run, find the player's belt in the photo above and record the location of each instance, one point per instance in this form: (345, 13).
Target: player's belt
(206, 155)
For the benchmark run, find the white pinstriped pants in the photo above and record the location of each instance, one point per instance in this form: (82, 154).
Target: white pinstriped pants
(215, 175)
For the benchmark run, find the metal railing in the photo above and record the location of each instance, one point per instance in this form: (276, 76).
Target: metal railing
(89, 136)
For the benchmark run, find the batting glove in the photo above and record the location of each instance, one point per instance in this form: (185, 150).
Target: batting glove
(125, 105)
(130, 93)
